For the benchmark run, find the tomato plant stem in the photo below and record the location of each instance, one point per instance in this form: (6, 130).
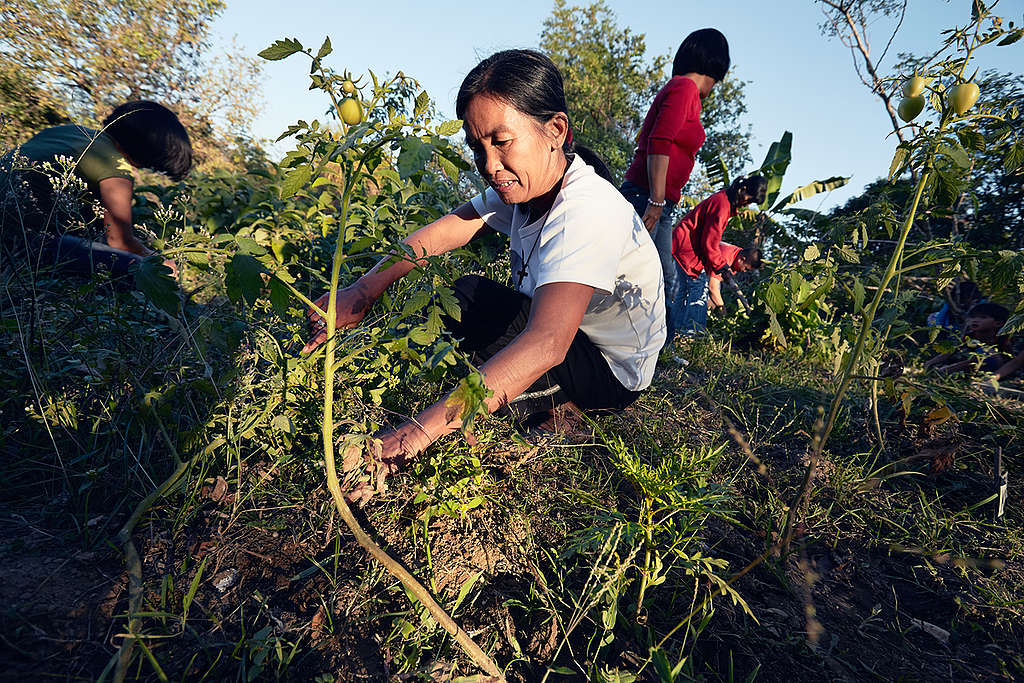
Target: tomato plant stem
(851, 364)
(479, 657)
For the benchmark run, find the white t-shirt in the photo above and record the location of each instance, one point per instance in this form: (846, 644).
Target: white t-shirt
(592, 236)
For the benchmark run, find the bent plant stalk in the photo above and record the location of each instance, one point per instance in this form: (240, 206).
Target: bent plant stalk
(479, 657)
(851, 364)
(133, 564)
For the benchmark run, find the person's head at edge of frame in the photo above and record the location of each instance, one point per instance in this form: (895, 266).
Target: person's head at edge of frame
(703, 56)
(984, 321)
(150, 136)
(516, 123)
(747, 259)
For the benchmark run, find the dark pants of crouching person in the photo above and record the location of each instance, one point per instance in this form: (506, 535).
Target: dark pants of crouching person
(493, 315)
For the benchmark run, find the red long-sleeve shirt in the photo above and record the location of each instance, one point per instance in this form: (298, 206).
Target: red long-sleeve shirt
(697, 238)
(672, 127)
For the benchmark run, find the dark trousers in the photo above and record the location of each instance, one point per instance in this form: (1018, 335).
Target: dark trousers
(77, 256)
(493, 315)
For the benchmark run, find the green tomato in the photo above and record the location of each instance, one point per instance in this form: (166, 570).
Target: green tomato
(351, 111)
(348, 86)
(914, 86)
(910, 107)
(963, 97)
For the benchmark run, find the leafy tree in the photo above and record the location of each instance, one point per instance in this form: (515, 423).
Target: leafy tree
(608, 82)
(24, 108)
(728, 138)
(88, 57)
(609, 85)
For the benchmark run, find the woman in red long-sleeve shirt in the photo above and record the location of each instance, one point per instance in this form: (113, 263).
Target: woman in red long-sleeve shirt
(669, 139)
(697, 247)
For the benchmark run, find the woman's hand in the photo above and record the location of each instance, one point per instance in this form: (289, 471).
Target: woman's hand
(402, 444)
(367, 466)
(651, 216)
(352, 304)
(173, 266)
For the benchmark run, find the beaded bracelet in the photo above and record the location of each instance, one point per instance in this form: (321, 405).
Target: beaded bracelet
(654, 203)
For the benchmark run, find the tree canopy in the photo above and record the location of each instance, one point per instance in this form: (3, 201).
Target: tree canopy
(610, 83)
(81, 58)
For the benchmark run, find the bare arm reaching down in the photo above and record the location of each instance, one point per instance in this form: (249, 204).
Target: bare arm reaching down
(555, 317)
(446, 233)
(116, 199)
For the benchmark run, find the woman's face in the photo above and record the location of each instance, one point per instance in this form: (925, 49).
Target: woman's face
(517, 156)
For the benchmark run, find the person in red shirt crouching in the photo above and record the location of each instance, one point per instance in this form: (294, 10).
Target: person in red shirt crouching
(703, 260)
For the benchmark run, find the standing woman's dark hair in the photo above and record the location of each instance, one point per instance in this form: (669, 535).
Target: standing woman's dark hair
(152, 137)
(526, 79)
(703, 52)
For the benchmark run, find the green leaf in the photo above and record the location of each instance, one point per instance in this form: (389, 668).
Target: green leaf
(847, 253)
(415, 303)
(662, 666)
(449, 127)
(449, 303)
(244, 278)
(420, 335)
(186, 602)
(464, 591)
(250, 246)
(971, 139)
(858, 296)
(413, 156)
(1012, 38)
(775, 297)
(281, 49)
(1014, 158)
(450, 169)
(154, 280)
(718, 172)
(325, 49)
(811, 253)
(811, 189)
(296, 179)
(280, 296)
(422, 102)
(776, 330)
(899, 162)
(978, 9)
(957, 154)
(774, 166)
(1014, 324)
(283, 423)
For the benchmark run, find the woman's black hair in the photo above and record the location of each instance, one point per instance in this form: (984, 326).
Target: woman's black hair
(756, 186)
(590, 158)
(152, 137)
(526, 79)
(704, 52)
(989, 310)
(753, 256)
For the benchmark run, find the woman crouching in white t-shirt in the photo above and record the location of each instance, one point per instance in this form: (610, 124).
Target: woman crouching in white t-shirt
(585, 320)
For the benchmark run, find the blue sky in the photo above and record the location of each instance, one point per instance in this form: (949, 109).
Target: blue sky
(799, 80)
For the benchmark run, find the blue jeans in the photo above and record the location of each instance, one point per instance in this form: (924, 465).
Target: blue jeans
(662, 237)
(689, 315)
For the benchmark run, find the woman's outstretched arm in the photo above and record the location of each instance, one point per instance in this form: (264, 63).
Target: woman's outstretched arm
(446, 233)
(555, 317)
